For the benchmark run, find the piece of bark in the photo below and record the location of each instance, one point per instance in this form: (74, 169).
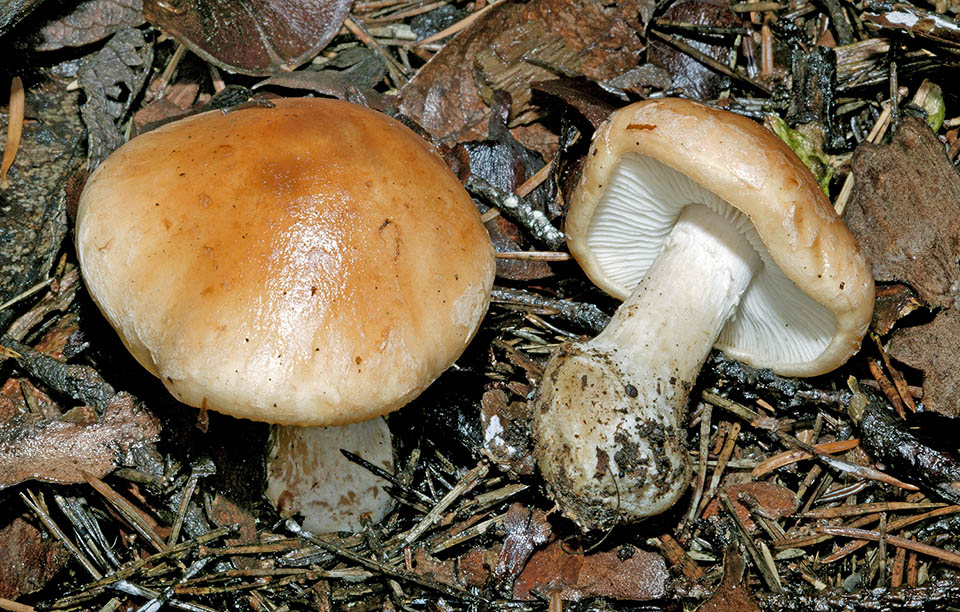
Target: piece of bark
(59, 450)
(905, 211)
(513, 45)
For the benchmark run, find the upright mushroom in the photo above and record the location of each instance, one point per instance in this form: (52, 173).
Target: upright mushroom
(715, 234)
(314, 263)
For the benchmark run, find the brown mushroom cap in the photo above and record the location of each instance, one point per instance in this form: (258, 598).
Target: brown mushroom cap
(315, 263)
(807, 309)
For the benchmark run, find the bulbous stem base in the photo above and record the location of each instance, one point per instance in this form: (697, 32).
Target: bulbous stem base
(607, 416)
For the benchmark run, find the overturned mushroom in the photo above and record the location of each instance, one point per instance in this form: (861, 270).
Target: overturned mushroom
(313, 263)
(715, 234)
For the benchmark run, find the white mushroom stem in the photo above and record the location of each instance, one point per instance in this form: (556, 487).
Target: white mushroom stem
(308, 475)
(608, 415)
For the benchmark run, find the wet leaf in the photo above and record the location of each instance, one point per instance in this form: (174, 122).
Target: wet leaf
(352, 77)
(893, 303)
(625, 573)
(512, 46)
(690, 76)
(88, 22)
(769, 499)
(12, 11)
(506, 432)
(33, 218)
(59, 450)
(587, 97)
(258, 37)
(112, 78)
(526, 530)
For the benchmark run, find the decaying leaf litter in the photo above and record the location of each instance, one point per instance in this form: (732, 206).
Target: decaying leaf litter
(838, 492)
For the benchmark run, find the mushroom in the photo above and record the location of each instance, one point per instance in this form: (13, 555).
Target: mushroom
(716, 235)
(311, 263)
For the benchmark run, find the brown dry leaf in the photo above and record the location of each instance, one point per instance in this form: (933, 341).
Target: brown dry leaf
(733, 594)
(59, 450)
(88, 22)
(893, 303)
(29, 558)
(932, 348)
(905, 211)
(507, 49)
(625, 573)
(772, 500)
(258, 37)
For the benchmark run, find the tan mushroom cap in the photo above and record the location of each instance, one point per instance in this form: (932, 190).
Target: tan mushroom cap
(808, 308)
(315, 263)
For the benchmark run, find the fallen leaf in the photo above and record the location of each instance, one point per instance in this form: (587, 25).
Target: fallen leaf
(59, 450)
(511, 46)
(771, 500)
(223, 512)
(29, 558)
(733, 594)
(905, 211)
(88, 22)
(525, 531)
(12, 11)
(112, 79)
(585, 96)
(932, 348)
(351, 76)
(893, 302)
(693, 78)
(257, 37)
(33, 219)
(625, 573)
(506, 432)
